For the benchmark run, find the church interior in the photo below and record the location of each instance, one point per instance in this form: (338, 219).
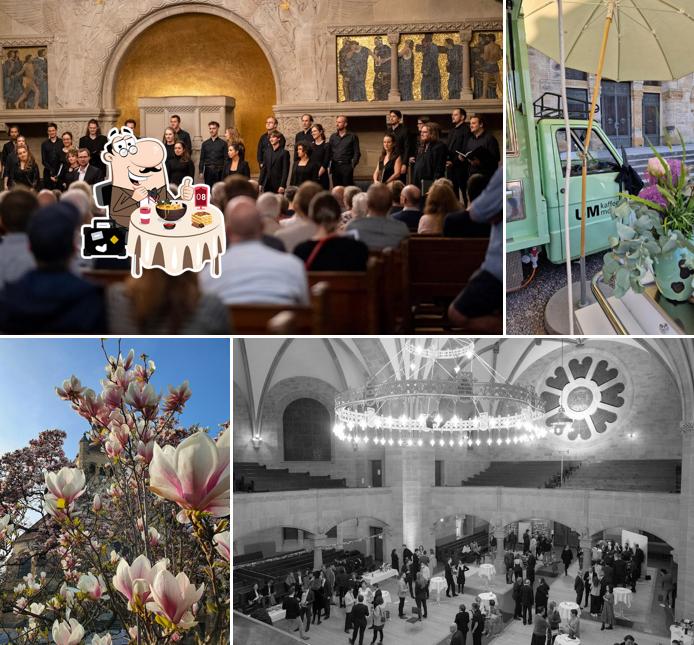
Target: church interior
(348, 451)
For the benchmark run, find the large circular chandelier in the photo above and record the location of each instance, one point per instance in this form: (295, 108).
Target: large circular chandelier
(439, 398)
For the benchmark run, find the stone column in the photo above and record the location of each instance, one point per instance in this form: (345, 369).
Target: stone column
(394, 93)
(499, 559)
(319, 543)
(684, 607)
(587, 545)
(637, 138)
(465, 38)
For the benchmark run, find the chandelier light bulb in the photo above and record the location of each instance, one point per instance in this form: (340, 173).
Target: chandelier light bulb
(498, 441)
(432, 442)
(469, 443)
(460, 442)
(399, 442)
(441, 442)
(413, 365)
(478, 442)
(456, 369)
(489, 441)
(508, 441)
(451, 442)
(390, 441)
(419, 442)
(409, 442)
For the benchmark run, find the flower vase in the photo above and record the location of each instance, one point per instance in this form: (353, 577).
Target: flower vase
(672, 275)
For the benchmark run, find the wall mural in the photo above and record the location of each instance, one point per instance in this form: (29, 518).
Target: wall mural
(589, 391)
(24, 78)
(486, 60)
(363, 68)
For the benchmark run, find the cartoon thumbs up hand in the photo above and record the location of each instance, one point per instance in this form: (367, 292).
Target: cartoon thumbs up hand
(185, 190)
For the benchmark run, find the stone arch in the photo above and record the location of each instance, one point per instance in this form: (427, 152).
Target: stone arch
(569, 520)
(269, 522)
(666, 531)
(141, 23)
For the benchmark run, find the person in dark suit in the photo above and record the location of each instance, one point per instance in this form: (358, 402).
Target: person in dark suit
(457, 637)
(275, 169)
(578, 587)
(485, 145)
(344, 153)
(85, 171)
(410, 213)
(360, 612)
(527, 599)
(477, 626)
(213, 153)
(235, 163)
(181, 135)
(431, 161)
(462, 621)
(9, 147)
(264, 141)
(304, 134)
(450, 581)
(94, 142)
(457, 137)
(51, 157)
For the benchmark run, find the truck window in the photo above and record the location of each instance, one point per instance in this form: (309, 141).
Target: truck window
(600, 157)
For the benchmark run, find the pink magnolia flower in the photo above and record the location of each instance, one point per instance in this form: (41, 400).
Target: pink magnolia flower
(71, 389)
(5, 526)
(102, 640)
(96, 504)
(64, 488)
(221, 542)
(145, 451)
(142, 397)
(177, 397)
(134, 580)
(113, 447)
(174, 598)
(92, 586)
(67, 633)
(195, 474)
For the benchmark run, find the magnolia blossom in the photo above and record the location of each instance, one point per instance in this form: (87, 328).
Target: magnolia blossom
(102, 640)
(174, 598)
(195, 474)
(134, 580)
(64, 488)
(142, 397)
(221, 541)
(96, 504)
(114, 557)
(67, 633)
(5, 526)
(177, 397)
(71, 388)
(154, 536)
(145, 451)
(113, 447)
(92, 586)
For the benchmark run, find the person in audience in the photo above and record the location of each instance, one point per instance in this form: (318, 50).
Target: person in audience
(268, 593)
(94, 142)
(409, 212)
(376, 230)
(269, 209)
(159, 303)
(378, 618)
(440, 202)
(343, 152)
(251, 271)
(349, 194)
(629, 640)
(360, 614)
(179, 165)
(300, 227)
(459, 224)
(359, 209)
(494, 620)
(293, 614)
(395, 191)
(235, 163)
(607, 615)
(479, 305)
(289, 195)
(457, 637)
(46, 197)
(327, 251)
(389, 166)
(320, 153)
(50, 299)
(181, 134)
(402, 594)
(349, 605)
(304, 168)
(275, 169)
(476, 624)
(169, 140)
(308, 598)
(339, 194)
(573, 626)
(264, 142)
(541, 595)
(540, 628)
(16, 210)
(578, 586)
(254, 598)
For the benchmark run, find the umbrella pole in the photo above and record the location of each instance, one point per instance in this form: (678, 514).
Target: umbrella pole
(584, 170)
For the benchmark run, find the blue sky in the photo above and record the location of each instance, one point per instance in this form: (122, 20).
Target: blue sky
(30, 369)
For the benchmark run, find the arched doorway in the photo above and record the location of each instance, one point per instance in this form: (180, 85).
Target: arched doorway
(211, 52)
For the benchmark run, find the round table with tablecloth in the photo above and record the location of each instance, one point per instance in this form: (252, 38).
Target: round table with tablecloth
(565, 610)
(622, 595)
(677, 634)
(437, 585)
(484, 601)
(487, 571)
(386, 597)
(565, 639)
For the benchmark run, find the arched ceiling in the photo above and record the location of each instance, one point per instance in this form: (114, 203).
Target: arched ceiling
(350, 362)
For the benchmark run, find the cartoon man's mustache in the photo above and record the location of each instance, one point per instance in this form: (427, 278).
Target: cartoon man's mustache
(151, 169)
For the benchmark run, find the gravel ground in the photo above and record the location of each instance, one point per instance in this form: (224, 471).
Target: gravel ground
(525, 309)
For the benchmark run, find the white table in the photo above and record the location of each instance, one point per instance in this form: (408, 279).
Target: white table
(622, 596)
(563, 639)
(437, 584)
(484, 601)
(677, 634)
(565, 610)
(277, 613)
(487, 571)
(386, 597)
(379, 576)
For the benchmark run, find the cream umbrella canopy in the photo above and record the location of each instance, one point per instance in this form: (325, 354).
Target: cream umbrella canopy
(624, 40)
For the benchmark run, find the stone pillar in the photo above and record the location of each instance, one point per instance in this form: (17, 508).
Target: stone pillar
(499, 565)
(637, 138)
(465, 38)
(587, 545)
(394, 93)
(319, 542)
(684, 607)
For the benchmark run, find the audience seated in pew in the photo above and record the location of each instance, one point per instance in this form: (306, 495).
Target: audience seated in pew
(396, 191)
(269, 205)
(350, 193)
(359, 209)
(459, 224)
(409, 212)
(327, 251)
(377, 230)
(299, 227)
(440, 201)
(16, 209)
(253, 273)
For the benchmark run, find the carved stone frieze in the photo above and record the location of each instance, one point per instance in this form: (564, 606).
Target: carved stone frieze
(417, 27)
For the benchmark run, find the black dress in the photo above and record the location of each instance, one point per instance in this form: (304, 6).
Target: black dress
(319, 156)
(28, 177)
(300, 173)
(177, 169)
(336, 254)
(95, 147)
(385, 172)
(241, 169)
(170, 154)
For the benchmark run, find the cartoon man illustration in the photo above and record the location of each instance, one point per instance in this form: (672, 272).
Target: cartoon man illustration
(138, 175)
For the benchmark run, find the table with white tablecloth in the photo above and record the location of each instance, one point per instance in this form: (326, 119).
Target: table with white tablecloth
(277, 613)
(379, 576)
(437, 585)
(484, 601)
(487, 571)
(565, 639)
(622, 596)
(677, 634)
(386, 597)
(565, 610)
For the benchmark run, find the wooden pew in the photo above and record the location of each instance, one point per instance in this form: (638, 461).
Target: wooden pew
(438, 268)
(263, 319)
(352, 301)
(392, 296)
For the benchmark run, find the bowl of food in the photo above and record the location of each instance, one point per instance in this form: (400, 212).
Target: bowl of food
(170, 212)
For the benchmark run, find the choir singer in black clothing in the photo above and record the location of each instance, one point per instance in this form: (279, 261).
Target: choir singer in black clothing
(457, 138)
(402, 139)
(344, 153)
(94, 141)
(213, 154)
(264, 141)
(305, 133)
(430, 163)
(320, 155)
(179, 165)
(488, 158)
(275, 169)
(305, 169)
(51, 157)
(235, 163)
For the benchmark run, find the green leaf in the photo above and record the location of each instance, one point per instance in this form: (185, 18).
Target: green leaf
(625, 232)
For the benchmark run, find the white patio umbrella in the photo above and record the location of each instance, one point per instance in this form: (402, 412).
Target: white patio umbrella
(624, 40)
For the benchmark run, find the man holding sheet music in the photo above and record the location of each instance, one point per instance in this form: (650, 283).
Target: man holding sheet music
(481, 149)
(457, 167)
